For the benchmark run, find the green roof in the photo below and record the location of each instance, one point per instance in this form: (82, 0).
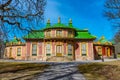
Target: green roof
(103, 40)
(59, 25)
(84, 34)
(15, 40)
(35, 35)
(79, 34)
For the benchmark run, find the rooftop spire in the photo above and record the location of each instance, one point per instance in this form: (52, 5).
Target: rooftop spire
(15, 37)
(48, 22)
(70, 21)
(59, 21)
(102, 37)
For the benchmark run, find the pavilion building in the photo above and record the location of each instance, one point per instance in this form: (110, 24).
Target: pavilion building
(58, 42)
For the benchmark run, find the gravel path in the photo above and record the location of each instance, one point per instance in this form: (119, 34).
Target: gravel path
(60, 72)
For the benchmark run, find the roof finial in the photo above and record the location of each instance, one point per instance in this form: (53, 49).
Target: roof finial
(15, 37)
(103, 37)
(48, 22)
(70, 21)
(59, 20)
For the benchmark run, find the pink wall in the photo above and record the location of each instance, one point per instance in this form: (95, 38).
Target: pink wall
(77, 48)
(23, 52)
(28, 48)
(40, 48)
(53, 48)
(65, 33)
(90, 50)
(65, 45)
(14, 52)
(53, 33)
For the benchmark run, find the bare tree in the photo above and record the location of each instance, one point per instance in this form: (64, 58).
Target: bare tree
(112, 12)
(20, 15)
(117, 36)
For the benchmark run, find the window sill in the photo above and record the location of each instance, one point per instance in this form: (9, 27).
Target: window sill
(48, 54)
(34, 54)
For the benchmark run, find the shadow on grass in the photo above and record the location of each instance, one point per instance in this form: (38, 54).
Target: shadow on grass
(20, 68)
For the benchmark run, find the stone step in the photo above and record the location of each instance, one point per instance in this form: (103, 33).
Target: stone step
(59, 59)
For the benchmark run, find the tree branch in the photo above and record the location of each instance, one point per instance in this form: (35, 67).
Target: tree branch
(5, 5)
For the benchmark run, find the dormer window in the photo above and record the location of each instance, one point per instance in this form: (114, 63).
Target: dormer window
(70, 33)
(48, 33)
(59, 33)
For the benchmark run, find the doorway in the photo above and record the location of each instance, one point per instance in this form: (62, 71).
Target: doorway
(59, 50)
(108, 52)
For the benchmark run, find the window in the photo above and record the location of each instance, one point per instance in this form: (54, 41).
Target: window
(59, 33)
(70, 49)
(34, 49)
(59, 49)
(83, 49)
(18, 51)
(48, 34)
(69, 33)
(48, 49)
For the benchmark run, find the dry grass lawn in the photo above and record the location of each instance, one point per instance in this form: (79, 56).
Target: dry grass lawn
(101, 71)
(19, 71)
(118, 55)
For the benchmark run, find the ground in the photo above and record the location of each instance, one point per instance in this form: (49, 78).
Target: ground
(118, 55)
(35, 70)
(101, 71)
(61, 71)
(18, 70)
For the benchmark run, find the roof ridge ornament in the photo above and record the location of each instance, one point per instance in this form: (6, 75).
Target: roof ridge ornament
(102, 37)
(15, 37)
(48, 22)
(70, 21)
(59, 21)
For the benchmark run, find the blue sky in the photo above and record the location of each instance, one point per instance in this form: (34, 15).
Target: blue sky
(85, 14)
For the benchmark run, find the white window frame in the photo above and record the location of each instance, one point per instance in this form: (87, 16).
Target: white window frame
(83, 49)
(34, 53)
(48, 48)
(59, 33)
(70, 49)
(19, 51)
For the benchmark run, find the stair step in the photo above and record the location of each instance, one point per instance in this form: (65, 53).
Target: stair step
(55, 58)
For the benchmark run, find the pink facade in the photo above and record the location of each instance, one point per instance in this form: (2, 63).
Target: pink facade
(65, 48)
(57, 42)
(40, 48)
(77, 49)
(28, 44)
(11, 52)
(90, 50)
